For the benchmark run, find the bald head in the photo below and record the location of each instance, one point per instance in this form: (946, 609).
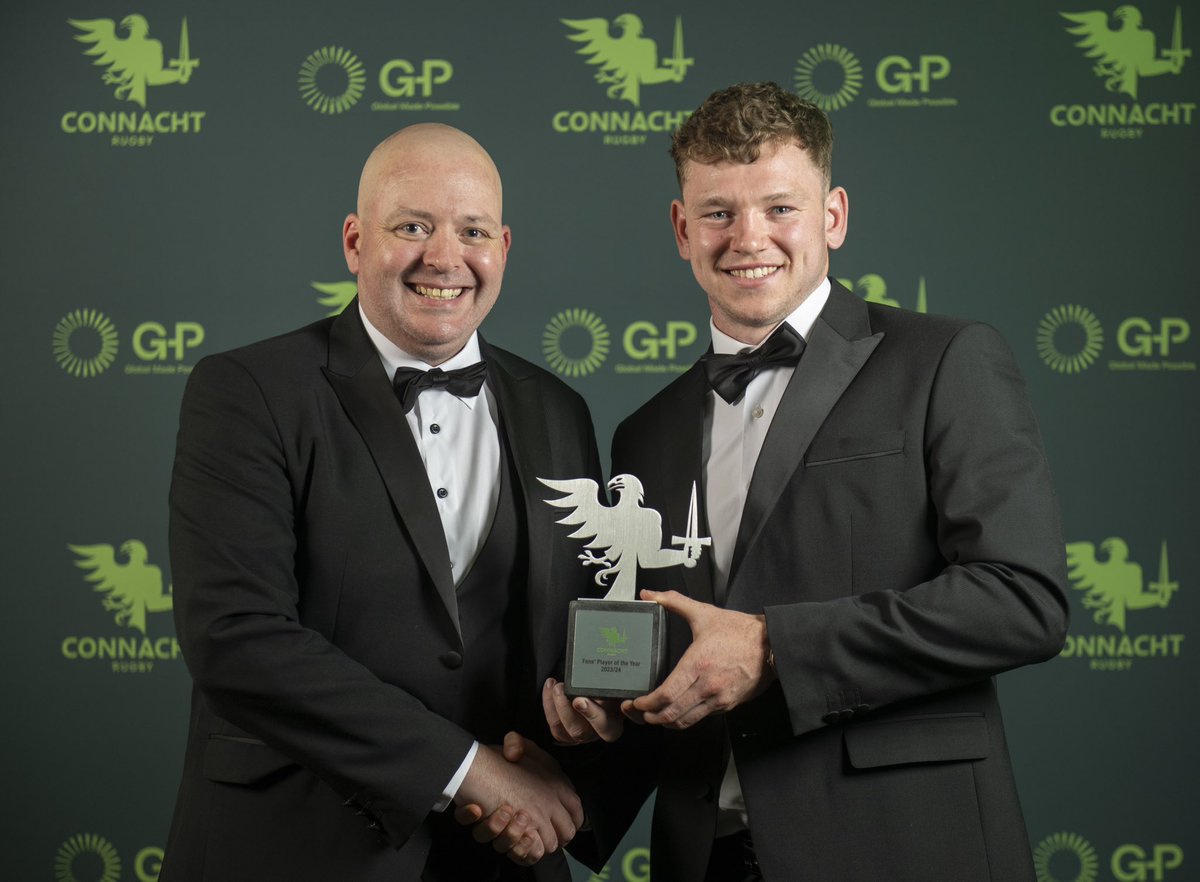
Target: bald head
(418, 146)
(427, 242)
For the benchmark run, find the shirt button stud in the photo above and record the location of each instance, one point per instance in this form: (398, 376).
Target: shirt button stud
(757, 412)
(442, 493)
(434, 429)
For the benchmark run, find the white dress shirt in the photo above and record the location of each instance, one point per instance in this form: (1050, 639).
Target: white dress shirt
(459, 440)
(733, 439)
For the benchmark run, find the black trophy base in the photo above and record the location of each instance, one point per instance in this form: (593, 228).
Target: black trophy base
(615, 648)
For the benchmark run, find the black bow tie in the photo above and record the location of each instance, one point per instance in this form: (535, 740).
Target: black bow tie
(729, 375)
(464, 382)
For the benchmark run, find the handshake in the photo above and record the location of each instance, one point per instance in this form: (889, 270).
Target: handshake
(516, 796)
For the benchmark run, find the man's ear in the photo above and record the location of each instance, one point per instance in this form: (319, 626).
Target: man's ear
(505, 241)
(351, 236)
(679, 225)
(837, 217)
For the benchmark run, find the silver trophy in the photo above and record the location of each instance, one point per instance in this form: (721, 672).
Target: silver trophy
(616, 646)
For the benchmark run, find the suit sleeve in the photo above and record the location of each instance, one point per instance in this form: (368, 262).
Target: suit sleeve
(233, 536)
(997, 601)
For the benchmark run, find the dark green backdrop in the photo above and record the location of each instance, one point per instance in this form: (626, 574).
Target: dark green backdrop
(994, 170)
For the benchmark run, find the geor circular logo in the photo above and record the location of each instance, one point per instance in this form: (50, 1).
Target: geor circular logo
(87, 857)
(1065, 857)
(829, 76)
(85, 343)
(575, 342)
(331, 80)
(1069, 338)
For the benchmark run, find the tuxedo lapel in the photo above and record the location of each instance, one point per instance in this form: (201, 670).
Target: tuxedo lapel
(839, 344)
(682, 466)
(361, 384)
(527, 431)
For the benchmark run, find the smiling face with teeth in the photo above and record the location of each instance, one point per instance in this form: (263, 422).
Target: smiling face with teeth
(758, 235)
(427, 242)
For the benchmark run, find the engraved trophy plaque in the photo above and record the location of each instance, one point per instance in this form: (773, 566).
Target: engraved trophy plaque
(616, 647)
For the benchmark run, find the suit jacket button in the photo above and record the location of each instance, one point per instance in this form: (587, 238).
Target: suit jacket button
(831, 717)
(453, 660)
(861, 708)
(845, 714)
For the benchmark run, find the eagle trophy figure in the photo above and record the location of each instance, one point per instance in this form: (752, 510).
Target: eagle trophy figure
(1113, 585)
(628, 535)
(133, 589)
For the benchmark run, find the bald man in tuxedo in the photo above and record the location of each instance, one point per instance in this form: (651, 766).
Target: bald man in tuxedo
(368, 589)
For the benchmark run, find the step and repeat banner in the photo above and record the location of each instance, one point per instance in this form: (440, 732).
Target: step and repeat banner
(175, 178)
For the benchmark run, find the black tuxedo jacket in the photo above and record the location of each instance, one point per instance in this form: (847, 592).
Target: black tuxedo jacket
(316, 610)
(901, 535)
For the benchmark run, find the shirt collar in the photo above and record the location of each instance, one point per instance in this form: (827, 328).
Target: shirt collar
(394, 357)
(801, 320)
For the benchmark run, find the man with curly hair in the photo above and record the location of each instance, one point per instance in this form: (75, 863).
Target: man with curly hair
(885, 540)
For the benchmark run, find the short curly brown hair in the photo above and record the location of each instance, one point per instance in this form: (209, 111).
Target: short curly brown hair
(733, 124)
